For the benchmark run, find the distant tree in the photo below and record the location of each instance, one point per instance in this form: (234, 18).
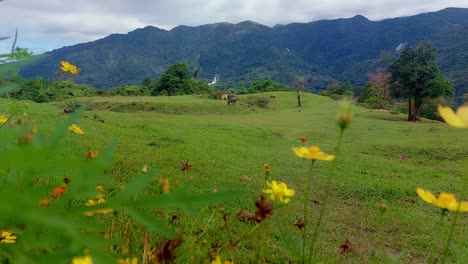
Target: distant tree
(199, 87)
(415, 76)
(376, 93)
(174, 81)
(266, 86)
(337, 90)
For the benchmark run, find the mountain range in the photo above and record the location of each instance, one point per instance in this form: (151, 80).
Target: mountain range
(307, 54)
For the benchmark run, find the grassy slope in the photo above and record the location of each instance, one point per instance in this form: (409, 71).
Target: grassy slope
(383, 161)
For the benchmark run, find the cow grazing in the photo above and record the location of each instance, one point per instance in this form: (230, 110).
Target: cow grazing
(232, 99)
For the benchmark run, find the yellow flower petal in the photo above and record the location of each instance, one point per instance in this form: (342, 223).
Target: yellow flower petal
(425, 195)
(459, 120)
(82, 260)
(462, 114)
(3, 119)
(463, 207)
(301, 151)
(75, 129)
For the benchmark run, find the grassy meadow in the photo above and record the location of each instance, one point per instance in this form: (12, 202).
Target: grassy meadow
(373, 204)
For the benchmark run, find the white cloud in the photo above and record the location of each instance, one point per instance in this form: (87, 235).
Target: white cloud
(54, 23)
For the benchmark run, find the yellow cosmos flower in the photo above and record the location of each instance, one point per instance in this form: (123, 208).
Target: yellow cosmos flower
(6, 237)
(100, 211)
(444, 200)
(312, 153)
(459, 119)
(279, 192)
(3, 119)
(68, 67)
(128, 261)
(75, 129)
(218, 261)
(82, 260)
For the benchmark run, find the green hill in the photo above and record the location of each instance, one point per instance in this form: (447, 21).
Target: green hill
(15, 67)
(315, 53)
(383, 160)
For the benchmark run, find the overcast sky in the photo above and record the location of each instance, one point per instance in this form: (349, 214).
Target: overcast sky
(48, 24)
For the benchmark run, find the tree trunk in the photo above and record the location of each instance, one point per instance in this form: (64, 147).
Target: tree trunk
(410, 112)
(417, 110)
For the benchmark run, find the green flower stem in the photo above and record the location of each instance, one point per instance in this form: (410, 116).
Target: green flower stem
(450, 236)
(307, 180)
(325, 198)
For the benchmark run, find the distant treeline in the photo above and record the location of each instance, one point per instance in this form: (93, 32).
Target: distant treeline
(175, 81)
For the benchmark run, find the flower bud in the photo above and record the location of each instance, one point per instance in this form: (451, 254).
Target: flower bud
(345, 115)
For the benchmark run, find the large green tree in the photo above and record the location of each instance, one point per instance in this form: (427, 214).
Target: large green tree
(174, 81)
(416, 77)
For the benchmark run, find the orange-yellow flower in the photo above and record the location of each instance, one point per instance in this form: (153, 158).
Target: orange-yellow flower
(68, 67)
(459, 119)
(82, 260)
(279, 192)
(59, 191)
(7, 237)
(3, 119)
(312, 153)
(266, 167)
(91, 154)
(75, 129)
(444, 200)
(303, 139)
(218, 261)
(99, 188)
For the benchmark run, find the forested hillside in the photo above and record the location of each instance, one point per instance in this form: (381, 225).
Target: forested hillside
(309, 54)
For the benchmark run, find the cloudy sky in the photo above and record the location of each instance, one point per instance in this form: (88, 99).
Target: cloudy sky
(48, 24)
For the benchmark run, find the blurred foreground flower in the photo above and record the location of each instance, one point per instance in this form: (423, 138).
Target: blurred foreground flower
(218, 261)
(75, 129)
(6, 237)
(444, 200)
(82, 260)
(68, 67)
(459, 119)
(164, 185)
(279, 192)
(312, 153)
(128, 261)
(3, 119)
(345, 115)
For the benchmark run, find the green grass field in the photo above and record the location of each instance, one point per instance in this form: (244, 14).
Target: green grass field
(383, 160)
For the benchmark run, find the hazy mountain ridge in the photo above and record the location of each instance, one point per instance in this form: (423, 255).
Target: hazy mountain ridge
(315, 52)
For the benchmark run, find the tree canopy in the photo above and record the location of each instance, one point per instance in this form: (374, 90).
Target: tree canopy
(415, 77)
(177, 80)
